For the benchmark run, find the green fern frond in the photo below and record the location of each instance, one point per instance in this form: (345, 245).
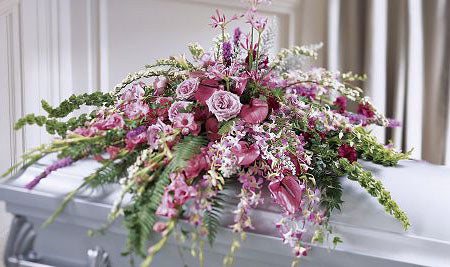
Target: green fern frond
(211, 218)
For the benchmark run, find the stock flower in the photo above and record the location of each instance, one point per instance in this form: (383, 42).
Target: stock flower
(348, 152)
(187, 89)
(187, 124)
(175, 108)
(112, 121)
(159, 84)
(224, 105)
(153, 133)
(246, 154)
(287, 192)
(341, 104)
(136, 92)
(135, 137)
(135, 110)
(256, 112)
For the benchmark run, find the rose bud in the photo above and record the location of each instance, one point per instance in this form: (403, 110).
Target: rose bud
(256, 112)
(246, 154)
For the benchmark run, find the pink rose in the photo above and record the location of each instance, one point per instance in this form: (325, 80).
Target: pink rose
(159, 84)
(224, 105)
(187, 88)
(175, 107)
(256, 112)
(287, 193)
(186, 122)
(246, 154)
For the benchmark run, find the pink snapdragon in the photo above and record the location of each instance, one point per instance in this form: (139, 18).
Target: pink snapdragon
(224, 105)
(187, 124)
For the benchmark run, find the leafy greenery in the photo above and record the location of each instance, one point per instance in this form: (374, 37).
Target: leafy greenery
(375, 188)
(211, 218)
(74, 102)
(140, 214)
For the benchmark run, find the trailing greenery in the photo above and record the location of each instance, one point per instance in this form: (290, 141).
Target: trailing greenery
(74, 102)
(375, 188)
(54, 126)
(140, 215)
(369, 149)
(211, 218)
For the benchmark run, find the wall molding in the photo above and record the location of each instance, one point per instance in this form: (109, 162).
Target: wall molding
(10, 10)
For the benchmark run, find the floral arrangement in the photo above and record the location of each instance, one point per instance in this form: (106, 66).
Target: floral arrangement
(177, 134)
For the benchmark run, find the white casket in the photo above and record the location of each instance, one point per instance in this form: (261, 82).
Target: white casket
(370, 236)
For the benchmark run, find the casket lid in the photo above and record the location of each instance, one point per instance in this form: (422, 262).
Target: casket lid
(419, 188)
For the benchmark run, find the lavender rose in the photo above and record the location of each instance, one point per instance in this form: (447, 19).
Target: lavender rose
(187, 88)
(224, 105)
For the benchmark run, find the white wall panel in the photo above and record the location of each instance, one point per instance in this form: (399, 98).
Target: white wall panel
(50, 49)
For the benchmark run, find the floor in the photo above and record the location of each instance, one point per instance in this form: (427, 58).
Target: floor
(5, 220)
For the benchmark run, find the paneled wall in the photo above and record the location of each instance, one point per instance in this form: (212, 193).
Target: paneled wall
(53, 48)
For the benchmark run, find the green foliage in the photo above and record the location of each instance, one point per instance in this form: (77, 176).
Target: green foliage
(375, 188)
(226, 126)
(211, 218)
(53, 126)
(369, 149)
(140, 214)
(74, 102)
(113, 170)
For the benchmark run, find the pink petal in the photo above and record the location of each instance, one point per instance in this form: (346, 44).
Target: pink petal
(256, 112)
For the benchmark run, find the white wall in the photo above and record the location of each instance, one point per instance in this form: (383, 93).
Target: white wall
(50, 49)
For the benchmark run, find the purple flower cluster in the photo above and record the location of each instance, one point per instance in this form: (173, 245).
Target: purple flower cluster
(226, 52)
(64, 162)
